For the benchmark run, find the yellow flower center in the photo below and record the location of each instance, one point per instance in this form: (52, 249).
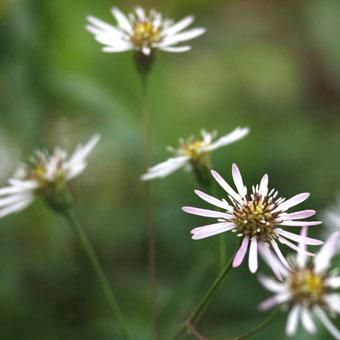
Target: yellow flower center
(307, 286)
(144, 34)
(255, 218)
(38, 173)
(192, 149)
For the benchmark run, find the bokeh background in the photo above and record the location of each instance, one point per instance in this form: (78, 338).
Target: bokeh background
(271, 65)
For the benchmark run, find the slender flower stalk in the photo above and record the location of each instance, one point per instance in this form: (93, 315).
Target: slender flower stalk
(151, 231)
(102, 279)
(309, 290)
(202, 305)
(257, 218)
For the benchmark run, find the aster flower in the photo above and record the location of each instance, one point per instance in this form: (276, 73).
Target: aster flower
(258, 218)
(142, 32)
(193, 151)
(43, 175)
(308, 290)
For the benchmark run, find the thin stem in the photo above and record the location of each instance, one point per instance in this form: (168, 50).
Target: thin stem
(259, 327)
(103, 281)
(150, 213)
(204, 302)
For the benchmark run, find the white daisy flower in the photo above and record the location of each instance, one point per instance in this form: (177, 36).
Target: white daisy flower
(193, 151)
(308, 290)
(258, 218)
(42, 174)
(142, 32)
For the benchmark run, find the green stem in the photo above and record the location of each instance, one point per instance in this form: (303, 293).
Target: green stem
(204, 302)
(74, 223)
(150, 213)
(259, 327)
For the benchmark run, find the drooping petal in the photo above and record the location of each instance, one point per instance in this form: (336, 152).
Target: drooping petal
(293, 320)
(238, 259)
(252, 260)
(323, 258)
(298, 238)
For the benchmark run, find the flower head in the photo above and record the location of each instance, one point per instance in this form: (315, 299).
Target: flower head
(257, 218)
(142, 32)
(43, 174)
(193, 151)
(307, 289)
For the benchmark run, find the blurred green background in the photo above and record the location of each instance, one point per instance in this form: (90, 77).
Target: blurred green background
(271, 65)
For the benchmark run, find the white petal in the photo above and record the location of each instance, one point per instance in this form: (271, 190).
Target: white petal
(252, 259)
(10, 200)
(300, 223)
(263, 190)
(179, 26)
(333, 301)
(272, 285)
(168, 168)
(211, 230)
(140, 13)
(175, 49)
(24, 184)
(226, 186)
(230, 138)
(333, 282)
(122, 20)
(279, 254)
(323, 258)
(274, 301)
(307, 321)
(293, 320)
(212, 200)
(327, 323)
(206, 212)
(301, 255)
(295, 200)
(187, 35)
(99, 27)
(242, 190)
(16, 207)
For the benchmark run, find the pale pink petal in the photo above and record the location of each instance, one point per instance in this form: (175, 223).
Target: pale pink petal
(210, 230)
(323, 258)
(293, 246)
(252, 259)
(206, 212)
(295, 200)
(293, 320)
(300, 223)
(298, 215)
(301, 255)
(279, 254)
(241, 252)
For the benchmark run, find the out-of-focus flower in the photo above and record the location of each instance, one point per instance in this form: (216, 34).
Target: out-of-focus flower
(332, 217)
(193, 151)
(308, 290)
(43, 175)
(142, 32)
(258, 219)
